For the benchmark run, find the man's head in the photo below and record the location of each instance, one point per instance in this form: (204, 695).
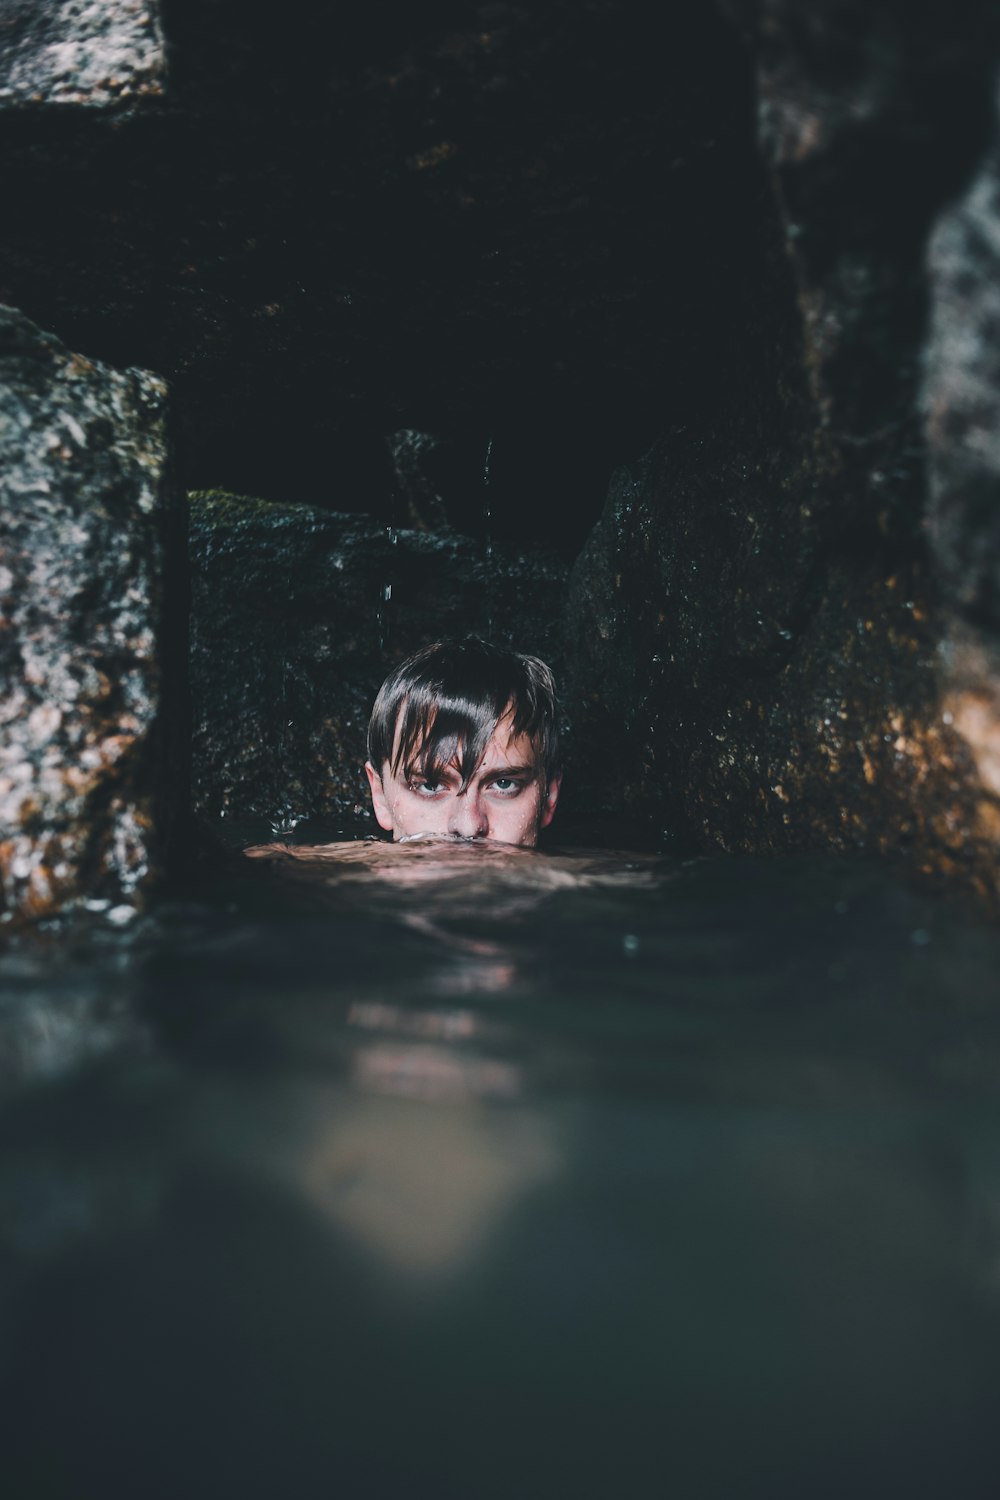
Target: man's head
(463, 743)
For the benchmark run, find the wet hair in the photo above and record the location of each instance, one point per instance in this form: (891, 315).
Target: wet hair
(447, 701)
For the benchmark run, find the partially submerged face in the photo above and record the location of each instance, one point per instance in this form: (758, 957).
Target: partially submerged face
(507, 799)
(463, 743)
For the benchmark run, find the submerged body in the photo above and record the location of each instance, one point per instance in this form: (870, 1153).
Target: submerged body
(437, 886)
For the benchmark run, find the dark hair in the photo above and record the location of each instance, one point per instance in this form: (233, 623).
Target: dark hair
(447, 701)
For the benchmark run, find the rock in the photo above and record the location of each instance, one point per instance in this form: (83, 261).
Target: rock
(297, 616)
(90, 52)
(962, 409)
(92, 729)
(770, 662)
(766, 693)
(869, 125)
(962, 396)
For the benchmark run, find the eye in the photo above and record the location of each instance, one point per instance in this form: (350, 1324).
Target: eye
(507, 786)
(425, 787)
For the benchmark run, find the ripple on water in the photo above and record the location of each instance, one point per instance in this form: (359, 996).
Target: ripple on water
(654, 1165)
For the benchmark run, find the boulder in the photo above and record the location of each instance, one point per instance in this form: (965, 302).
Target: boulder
(297, 616)
(92, 721)
(790, 639)
(962, 409)
(96, 53)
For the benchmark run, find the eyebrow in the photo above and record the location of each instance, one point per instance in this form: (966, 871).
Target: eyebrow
(525, 768)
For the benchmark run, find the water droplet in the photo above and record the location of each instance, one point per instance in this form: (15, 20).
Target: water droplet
(487, 509)
(285, 821)
(920, 938)
(630, 945)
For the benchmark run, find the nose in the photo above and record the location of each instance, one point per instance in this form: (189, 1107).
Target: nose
(467, 816)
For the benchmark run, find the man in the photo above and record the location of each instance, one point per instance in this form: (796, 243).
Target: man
(463, 744)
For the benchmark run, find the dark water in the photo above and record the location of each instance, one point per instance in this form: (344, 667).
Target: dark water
(492, 1176)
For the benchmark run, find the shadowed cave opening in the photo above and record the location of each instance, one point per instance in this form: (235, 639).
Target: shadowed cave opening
(363, 248)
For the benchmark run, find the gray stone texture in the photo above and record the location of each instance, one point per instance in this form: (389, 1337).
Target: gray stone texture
(82, 52)
(962, 396)
(962, 414)
(299, 613)
(870, 119)
(91, 713)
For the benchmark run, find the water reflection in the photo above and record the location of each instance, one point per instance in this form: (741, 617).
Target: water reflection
(420, 1189)
(57, 1016)
(407, 1167)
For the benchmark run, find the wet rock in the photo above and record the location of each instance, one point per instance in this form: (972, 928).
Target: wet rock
(791, 664)
(962, 409)
(90, 52)
(870, 121)
(298, 614)
(962, 396)
(771, 692)
(91, 720)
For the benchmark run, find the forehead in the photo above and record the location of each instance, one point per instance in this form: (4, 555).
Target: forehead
(503, 748)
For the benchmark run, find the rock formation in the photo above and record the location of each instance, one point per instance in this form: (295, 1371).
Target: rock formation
(754, 277)
(92, 721)
(794, 645)
(98, 53)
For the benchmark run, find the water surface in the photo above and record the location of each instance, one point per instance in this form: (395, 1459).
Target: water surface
(473, 1172)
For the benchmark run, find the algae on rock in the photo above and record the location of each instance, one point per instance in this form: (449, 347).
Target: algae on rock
(297, 615)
